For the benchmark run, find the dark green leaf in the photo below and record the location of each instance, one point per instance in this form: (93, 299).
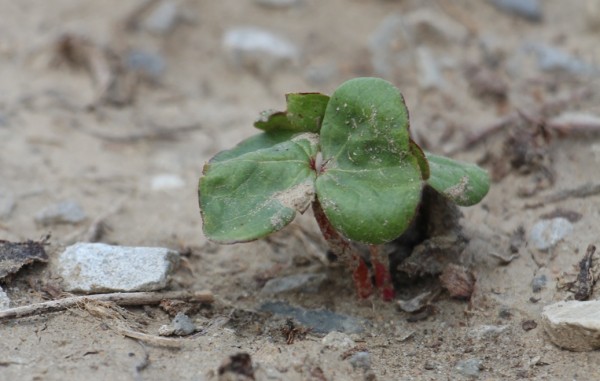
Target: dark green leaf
(305, 110)
(370, 185)
(255, 193)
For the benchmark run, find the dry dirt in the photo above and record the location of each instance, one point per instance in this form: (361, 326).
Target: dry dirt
(55, 146)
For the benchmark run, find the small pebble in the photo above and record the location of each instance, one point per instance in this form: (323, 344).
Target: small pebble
(163, 18)
(545, 234)
(152, 65)
(430, 26)
(166, 182)
(181, 325)
(430, 75)
(65, 212)
(361, 360)
(550, 58)
(527, 9)
(470, 367)
(486, 332)
(258, 49)
(338, 341)
(97, 267)
(573, 325)
(538, 283)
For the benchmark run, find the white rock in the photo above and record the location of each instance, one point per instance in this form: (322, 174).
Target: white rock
(388, 46)
(573, 325)
(338, 341)
(65, 212)
(97, 267)
(163, 18)
(181, 325)
(484, 332)
(547, 233)
(166, 181)
(305, 282)
(258, 49)
(428, 25)
(430, 76)
(4, 300)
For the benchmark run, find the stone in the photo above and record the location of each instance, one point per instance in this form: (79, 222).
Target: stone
(487, 332)
(430, 26)
(320, 321)
(414, 304)
(545, 234)
(361, 360)
(151, 65)
(337, 341)
(258, 49)
(573, 325)
(4, 300)
(553, 59)
(166, 181)
(7, 203)
(430, 75)
(389, 47)
(97, 267)
(470, 367)
(538, 283)
(64, 212)
(163, 18)
(527, 9)
(181, 325)
(298, 282)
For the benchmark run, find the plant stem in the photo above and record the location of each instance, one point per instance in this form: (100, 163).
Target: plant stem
(342, 248)
(383, 279)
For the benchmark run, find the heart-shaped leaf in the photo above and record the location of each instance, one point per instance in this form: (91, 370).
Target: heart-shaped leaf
(464, 183)
(370, 183)
(257, 187)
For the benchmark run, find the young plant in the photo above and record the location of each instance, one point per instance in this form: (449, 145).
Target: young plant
(350, 157)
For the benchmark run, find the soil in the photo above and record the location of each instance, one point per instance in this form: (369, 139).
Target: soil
(62, 139)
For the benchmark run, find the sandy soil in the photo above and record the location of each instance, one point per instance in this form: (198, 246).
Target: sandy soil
(58, 142)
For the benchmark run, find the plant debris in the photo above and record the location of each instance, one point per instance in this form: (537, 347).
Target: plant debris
(238, 364)
(589, 273)
(459, 281)
(291, 331)
(14, 255)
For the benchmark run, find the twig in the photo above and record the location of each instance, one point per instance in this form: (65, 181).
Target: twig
(120, 298)
(155, 133)
(553, 105)
(583, 191)
(150, 339)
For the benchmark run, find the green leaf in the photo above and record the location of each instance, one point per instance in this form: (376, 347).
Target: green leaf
(271, 120)
(254, 143)
(305, 111)
(464, 183)
(304, 114)
(249, 194)
(370, 183)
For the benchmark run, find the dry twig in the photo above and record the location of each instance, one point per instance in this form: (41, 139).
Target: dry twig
(119, 298)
